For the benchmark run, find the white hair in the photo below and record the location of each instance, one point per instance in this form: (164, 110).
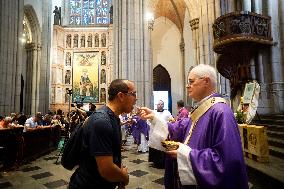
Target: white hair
(204, 70)
(8, 119)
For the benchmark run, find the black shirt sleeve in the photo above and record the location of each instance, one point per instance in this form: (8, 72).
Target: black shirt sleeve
(100, 136)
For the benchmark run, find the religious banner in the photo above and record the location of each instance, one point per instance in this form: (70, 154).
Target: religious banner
(85, 77)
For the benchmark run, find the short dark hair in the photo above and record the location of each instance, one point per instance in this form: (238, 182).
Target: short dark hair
(116, 86)
(180, 103)
(92, 107)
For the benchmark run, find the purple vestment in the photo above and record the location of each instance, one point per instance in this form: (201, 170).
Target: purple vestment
(182, 113)
(216, 151)
(139, 126)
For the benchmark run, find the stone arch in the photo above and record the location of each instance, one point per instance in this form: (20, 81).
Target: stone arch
(31, 63)
(30, 13)
(162, 82)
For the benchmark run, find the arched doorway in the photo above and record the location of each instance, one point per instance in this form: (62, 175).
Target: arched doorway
(162, 82)
(31, 62)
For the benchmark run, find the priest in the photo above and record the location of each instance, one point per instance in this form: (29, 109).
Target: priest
(210, 152)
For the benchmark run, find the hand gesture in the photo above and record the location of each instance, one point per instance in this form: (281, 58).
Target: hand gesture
(146, 113)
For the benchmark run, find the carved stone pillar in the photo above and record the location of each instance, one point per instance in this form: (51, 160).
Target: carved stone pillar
(277, 84)
(11, 23)
(32, 78)
(184, 81)
(132, 48)
(246, 5)
(194, 24)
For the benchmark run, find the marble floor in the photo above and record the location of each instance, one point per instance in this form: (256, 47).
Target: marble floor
(44, 173)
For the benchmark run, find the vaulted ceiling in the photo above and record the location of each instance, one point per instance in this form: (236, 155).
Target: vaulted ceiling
(174, 10)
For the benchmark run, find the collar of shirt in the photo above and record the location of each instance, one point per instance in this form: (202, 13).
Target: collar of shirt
(204, 99)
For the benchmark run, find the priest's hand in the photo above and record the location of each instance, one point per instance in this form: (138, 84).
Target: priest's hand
(146, 113)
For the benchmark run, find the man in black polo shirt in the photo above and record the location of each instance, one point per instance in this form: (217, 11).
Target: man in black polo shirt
(100, 165)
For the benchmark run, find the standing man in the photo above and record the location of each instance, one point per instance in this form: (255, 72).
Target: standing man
(100, 165)
(182, 111)
(156, 156)
(210, 155)
(161, 112)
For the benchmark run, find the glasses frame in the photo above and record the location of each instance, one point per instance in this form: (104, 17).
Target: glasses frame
(191, 82)
(131, 93)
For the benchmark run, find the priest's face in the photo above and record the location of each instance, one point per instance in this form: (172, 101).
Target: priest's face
(196, 87)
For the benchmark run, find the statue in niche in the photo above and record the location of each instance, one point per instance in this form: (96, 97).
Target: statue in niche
(111, 14)
(57, 16)
(67, 77)
(68, 41)
(103, 95)
(103, 40)
(75, 41)
(83, 41)
(90, 40)
(68, 59)
(97, 40)
(103, 58)
(66, 97)
(103, 76)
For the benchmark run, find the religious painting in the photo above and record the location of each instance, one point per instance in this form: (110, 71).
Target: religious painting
(86, 77)
(248, 93)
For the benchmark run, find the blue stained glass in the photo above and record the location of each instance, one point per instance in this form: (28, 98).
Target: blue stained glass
(92, 4)
(85, 19)
(86, 4)
(86, 12)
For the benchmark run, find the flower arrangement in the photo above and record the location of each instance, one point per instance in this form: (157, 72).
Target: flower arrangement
(240, 117)
(241, 113)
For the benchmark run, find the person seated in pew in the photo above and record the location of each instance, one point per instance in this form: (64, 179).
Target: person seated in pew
(32, 122)
(5, 123)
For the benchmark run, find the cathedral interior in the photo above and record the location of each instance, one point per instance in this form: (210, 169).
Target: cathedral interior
(63, 52)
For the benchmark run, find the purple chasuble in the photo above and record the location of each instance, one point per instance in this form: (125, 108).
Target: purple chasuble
(138, 127)
(182, 113)
(216, 151)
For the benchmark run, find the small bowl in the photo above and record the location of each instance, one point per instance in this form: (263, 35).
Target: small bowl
(170, 145)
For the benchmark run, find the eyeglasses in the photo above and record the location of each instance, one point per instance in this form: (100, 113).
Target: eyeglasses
(191, 81)
(132, 93)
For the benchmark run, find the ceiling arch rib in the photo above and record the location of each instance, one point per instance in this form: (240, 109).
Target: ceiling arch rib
(174, 10)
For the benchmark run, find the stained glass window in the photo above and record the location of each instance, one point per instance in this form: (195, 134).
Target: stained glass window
(89, 12)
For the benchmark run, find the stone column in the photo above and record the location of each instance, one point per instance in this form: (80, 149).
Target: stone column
(131, 47)
(259, 56)
(277, 84)
(10, 33)
(194, 24)
(184, 81)
(33, 78)
(44, 60)
(246, 5)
